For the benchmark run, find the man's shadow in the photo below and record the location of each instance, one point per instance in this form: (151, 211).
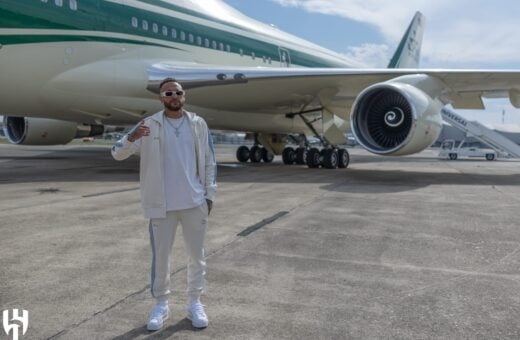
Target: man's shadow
(165, 333)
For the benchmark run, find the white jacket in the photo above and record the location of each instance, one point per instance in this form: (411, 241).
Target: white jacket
(151, 148)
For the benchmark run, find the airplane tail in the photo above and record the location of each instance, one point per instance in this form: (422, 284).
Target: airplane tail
(409, 50)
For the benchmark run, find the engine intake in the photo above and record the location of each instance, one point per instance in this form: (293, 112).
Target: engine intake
(395, 119)
(42, 131)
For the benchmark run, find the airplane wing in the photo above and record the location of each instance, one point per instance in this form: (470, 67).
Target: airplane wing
(389, 111)
(283, 91)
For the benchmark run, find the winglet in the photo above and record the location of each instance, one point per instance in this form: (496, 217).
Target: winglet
(409, 50)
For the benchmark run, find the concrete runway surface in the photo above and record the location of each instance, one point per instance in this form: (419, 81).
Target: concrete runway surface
(390, 248)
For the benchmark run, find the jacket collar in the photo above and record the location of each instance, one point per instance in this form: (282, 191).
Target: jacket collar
(159, 116)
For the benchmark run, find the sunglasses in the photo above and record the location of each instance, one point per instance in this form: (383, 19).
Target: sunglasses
(171, 93)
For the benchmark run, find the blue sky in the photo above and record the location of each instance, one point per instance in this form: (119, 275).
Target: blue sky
(459, 34)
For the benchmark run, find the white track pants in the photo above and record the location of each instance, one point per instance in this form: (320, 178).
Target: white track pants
(194, 223)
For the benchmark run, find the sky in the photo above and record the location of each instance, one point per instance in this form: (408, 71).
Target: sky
(462, 34)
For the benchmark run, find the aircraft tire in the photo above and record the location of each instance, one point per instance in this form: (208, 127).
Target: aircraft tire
(343, 158)
(301, 156)
(330, 159)
(255, 154)
(288, 156)
(267, 156)
(313, 158)
(243, 154)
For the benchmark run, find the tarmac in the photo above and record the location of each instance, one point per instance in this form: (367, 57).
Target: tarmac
(391, 248)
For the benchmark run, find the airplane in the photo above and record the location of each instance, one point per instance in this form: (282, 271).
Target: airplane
(73, 68)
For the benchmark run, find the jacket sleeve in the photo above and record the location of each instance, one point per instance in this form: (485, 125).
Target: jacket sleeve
(124, 148)
(210, 167)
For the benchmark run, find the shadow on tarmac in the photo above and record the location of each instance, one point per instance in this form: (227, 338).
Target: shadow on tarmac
(96, 164)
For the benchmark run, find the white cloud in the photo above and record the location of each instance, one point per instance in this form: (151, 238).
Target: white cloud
(372, 55)
(463, 33)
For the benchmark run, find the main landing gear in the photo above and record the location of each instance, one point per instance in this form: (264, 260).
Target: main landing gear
(256, 154)
(329, 158)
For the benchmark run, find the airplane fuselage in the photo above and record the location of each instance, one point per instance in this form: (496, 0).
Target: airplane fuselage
(88, 61)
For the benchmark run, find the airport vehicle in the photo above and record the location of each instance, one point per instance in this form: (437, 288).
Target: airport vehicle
(72, 68)
(450, 150)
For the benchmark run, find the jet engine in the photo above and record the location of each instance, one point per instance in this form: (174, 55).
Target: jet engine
(395, 118)
(42, 131)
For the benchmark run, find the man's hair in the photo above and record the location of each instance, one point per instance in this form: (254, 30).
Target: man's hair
(167, 80)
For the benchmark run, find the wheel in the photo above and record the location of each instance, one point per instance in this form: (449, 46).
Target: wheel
(267, 156)
(330, 158)
(255, 154)
(453, 156)
(243, 154)
(301, 156)
(490, 156)
(288, 156)
(343, 158)
(313, 158)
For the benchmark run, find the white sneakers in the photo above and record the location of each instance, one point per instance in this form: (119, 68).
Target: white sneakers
(160, 312)
(197, 315)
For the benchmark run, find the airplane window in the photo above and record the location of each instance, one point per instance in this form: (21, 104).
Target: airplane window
(155, 28)
(191, 38)
(135, 22)
(59, 3)
(221, 46)
(214, 44)
(206, 42)
(183, 36)
(145, 25)
(174, 33)
(199, 41)
(165, 30)
(73, 4)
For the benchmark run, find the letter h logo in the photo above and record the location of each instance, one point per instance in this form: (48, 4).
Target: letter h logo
(20, 321)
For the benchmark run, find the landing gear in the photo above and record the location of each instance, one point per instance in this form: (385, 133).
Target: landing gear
(292, 156)
(328, 158)
(256, 154)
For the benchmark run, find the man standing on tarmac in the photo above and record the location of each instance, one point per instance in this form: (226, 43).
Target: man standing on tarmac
(178, 182)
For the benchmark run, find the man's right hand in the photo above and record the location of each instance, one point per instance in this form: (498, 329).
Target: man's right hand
(140, 131)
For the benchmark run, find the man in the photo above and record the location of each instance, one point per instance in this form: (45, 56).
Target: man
(177, 177)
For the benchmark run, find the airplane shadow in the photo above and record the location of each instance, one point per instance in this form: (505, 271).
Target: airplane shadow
(96, 165)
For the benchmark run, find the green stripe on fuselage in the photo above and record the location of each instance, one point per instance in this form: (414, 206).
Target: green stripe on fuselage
(39, 38)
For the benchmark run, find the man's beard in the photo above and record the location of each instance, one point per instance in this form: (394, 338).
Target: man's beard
(174, 107)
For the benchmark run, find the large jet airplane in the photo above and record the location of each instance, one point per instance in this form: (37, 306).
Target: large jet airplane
(71, 68)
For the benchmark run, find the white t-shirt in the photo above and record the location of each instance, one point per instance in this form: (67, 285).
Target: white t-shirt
(183, 187)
